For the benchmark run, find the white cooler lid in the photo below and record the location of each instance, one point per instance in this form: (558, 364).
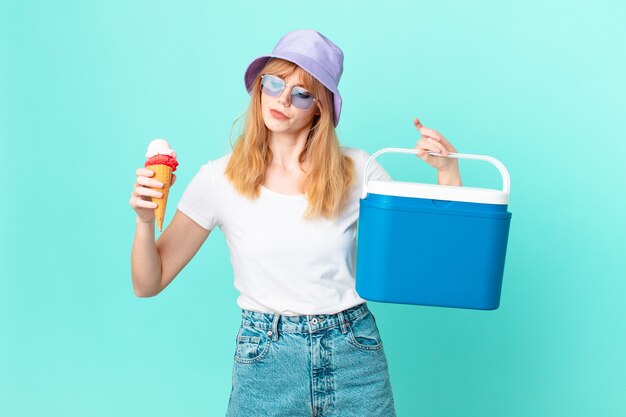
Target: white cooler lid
(438, 192)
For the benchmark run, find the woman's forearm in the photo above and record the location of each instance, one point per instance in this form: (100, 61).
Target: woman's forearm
(145, 261)
(449, 177)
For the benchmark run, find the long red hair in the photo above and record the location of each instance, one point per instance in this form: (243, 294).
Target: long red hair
(329, 173)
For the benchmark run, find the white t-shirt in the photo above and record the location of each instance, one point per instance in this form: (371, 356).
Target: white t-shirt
(282, 262)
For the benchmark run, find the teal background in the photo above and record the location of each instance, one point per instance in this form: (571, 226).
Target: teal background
(84, 87)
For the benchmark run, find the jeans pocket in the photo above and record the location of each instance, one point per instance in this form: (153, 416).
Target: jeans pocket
(363, 333)
(252, 344)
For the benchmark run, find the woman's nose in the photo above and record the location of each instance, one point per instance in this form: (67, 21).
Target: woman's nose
(285, 96)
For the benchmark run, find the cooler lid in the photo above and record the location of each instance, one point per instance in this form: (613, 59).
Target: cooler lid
(438, 192)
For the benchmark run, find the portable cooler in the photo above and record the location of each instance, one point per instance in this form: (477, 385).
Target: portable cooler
(434, 245)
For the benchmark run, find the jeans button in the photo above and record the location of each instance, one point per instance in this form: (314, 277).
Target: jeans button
(314, 321)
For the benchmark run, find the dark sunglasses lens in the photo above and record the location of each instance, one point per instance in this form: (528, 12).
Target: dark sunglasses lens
(271, 85)
(301, 98)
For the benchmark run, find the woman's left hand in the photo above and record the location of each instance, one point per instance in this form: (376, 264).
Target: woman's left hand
(433, 141)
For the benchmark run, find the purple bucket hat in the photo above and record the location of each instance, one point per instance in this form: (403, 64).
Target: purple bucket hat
(314, 53)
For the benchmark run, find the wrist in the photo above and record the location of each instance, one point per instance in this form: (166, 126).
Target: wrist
(449, 176)
(139, 220)
(144, 226)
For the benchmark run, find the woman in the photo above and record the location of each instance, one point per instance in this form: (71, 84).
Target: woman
(286, 200)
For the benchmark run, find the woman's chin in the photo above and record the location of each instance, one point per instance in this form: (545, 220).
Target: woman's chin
(278, 125)
(275, 127)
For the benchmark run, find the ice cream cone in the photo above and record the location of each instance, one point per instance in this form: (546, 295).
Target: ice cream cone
(162, 173)
(161, 159)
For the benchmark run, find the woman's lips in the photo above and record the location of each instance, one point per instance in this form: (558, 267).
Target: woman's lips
(278, 114)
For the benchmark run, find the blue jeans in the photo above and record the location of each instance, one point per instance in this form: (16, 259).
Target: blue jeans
(322, 366)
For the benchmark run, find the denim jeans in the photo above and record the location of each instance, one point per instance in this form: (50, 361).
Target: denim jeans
(311, 365)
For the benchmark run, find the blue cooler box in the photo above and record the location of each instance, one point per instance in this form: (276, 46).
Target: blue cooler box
(435, 245)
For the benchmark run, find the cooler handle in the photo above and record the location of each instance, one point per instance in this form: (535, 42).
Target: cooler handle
(506, 179)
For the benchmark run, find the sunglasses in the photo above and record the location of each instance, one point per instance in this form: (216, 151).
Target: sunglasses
(274, 86)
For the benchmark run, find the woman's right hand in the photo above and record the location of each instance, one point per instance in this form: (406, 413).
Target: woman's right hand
(140, 198)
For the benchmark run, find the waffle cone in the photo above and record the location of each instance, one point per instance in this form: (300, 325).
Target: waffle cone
(162, 173)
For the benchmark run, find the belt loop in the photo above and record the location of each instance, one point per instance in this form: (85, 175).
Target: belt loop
(342, 322)
(275, 327)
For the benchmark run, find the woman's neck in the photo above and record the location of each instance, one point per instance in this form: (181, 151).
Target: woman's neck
(286, 149)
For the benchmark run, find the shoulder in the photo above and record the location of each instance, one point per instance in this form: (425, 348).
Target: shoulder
(359, 156)
(352, 152)
(216, 167)
(220, 163)
(211, 172)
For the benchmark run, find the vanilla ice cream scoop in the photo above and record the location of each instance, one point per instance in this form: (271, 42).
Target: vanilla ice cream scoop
(160, 147)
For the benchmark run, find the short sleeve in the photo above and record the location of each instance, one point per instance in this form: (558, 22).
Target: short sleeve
(198, 200)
